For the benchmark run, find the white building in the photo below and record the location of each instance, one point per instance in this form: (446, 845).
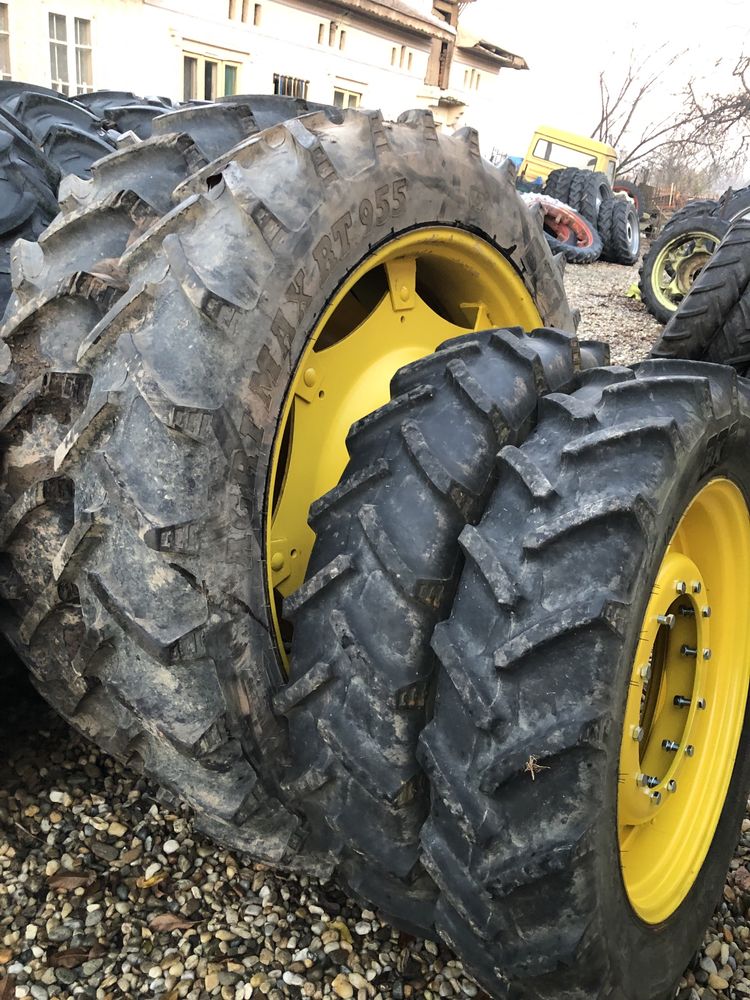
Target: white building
(375, 53)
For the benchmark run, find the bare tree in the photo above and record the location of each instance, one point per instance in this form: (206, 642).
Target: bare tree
(710, 128)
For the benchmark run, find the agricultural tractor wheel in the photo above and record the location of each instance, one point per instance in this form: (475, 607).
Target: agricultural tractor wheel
(559, 181)
(589, 753)
(383, 572)
(588, 191)
(178, 405)
(712, 322)
(699, 206)
(566, 231)
(674, 261)
(620, 231)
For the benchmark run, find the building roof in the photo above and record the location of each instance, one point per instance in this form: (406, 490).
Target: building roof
(396, 12)
(480, 46)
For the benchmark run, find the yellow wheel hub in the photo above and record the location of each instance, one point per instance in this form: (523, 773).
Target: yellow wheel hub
(686, 702)
(405, 299)
(679, 264)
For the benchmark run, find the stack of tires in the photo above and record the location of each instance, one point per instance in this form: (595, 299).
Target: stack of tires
(314, 508)
(596, 217)
(686, 244)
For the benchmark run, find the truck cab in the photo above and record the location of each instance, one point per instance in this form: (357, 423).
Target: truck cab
(551, 148)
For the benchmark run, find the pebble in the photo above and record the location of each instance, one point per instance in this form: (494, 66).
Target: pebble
(171, 846)
(342, 987)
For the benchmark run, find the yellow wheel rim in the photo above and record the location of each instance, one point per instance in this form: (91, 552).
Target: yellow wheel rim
(686, 702)
(403, 300)
(678, 265)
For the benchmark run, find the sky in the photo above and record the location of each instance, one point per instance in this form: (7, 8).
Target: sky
(568, 42)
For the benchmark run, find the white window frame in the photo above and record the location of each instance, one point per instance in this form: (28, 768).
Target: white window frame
(70, 52)
(5, 72)
(346, 97)
(201, 59)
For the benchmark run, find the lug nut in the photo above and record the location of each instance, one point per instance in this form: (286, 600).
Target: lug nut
(697, 588)
(637, 733)
(672, 785)
(656, 798)
(680, 586)
(706, 654)
(645, 672)
(706, 611)
(689, 750)
(688, 650)
(670, 746)
(681, 701)
(701, 703)
(667, 620)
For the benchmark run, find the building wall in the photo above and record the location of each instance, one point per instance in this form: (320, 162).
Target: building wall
(138, 45)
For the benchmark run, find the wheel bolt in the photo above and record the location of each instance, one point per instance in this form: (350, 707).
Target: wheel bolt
(701, 703)
(706, 611)
(687, 611)
(680, 586)
(689, 750)
(681, 701)
(637, 733)
(672, 785)
(656, 798)
(645, 672)
(670, 746)
(647, 780)
(688, 650)
(706, 654)
(667, 620)
(697, 588)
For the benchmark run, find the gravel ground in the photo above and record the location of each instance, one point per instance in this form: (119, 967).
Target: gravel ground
(107, 892)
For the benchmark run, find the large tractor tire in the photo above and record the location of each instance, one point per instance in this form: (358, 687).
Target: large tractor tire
(675, 259)
(699, 206)
(70, 135)
(182, 397)
(588, 192)
(620, 231)
(383, 572)
(712, 322)
(28, 195)
(589, 753)
(559, 181)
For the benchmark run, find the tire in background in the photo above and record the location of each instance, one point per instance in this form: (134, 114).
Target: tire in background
(620, 231)
(588, 191)
(566, 231)
(712, 322)
(360, 685)
(558, 183)
(523, 752)
(675, 259)
(632, 190)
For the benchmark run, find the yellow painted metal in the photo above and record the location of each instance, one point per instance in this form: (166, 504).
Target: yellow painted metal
(551, 148)
(678, 265)
(405, 299)
(666, 824)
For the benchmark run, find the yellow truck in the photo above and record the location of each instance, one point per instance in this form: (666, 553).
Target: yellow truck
(552, 148)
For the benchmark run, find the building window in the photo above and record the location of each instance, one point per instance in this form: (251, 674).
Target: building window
(58, 53)
(466, 79)
(402, 56)
(290, 86)
(394, 56)
(476, 82)
(257, 9)
(205, 79)
(409, 61)
(346, 98)
(84, 75)
(342, 40)
(439, 64)
(332, 34)
(4, 43)
(232, 12)
(321, 33)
